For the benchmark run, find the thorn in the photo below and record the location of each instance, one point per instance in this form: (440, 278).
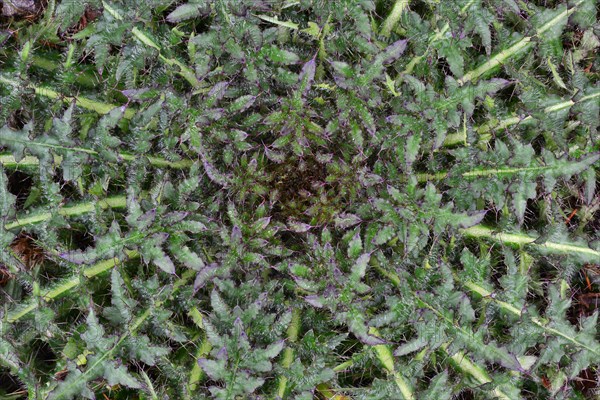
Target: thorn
(571, 216)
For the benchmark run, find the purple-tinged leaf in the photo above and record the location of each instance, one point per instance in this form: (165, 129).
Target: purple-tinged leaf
(395, 50)
(371, 340)
(214, 174)
(261, 224)
(146, 219)
(307, 75)
(214, 114)
(346, 220)
(394, 119)
(324, 158)
(314, 300)
(218, 91)
(298, 227)
(368, 179)
(238, 328)
(204, 275)
(160, 237)
(79, 257)
(236, 234)
(222, 354)
(173, 217)
(164, 262)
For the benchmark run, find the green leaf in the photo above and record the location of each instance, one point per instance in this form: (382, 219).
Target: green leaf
(94, 334)
(185, 12)
(214, 369)
(118, 375)
(438, 388)
(163, 261)
(7, 199)
(355, 246)
(140, 348)
(120, 311)
(385, 234)
(16, 140)
(72, 387)
(360, 267)
(242, 104)
(277, 21)
(280, 56)
(152, 251)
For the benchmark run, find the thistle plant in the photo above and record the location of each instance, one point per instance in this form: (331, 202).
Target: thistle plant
(354, 199)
